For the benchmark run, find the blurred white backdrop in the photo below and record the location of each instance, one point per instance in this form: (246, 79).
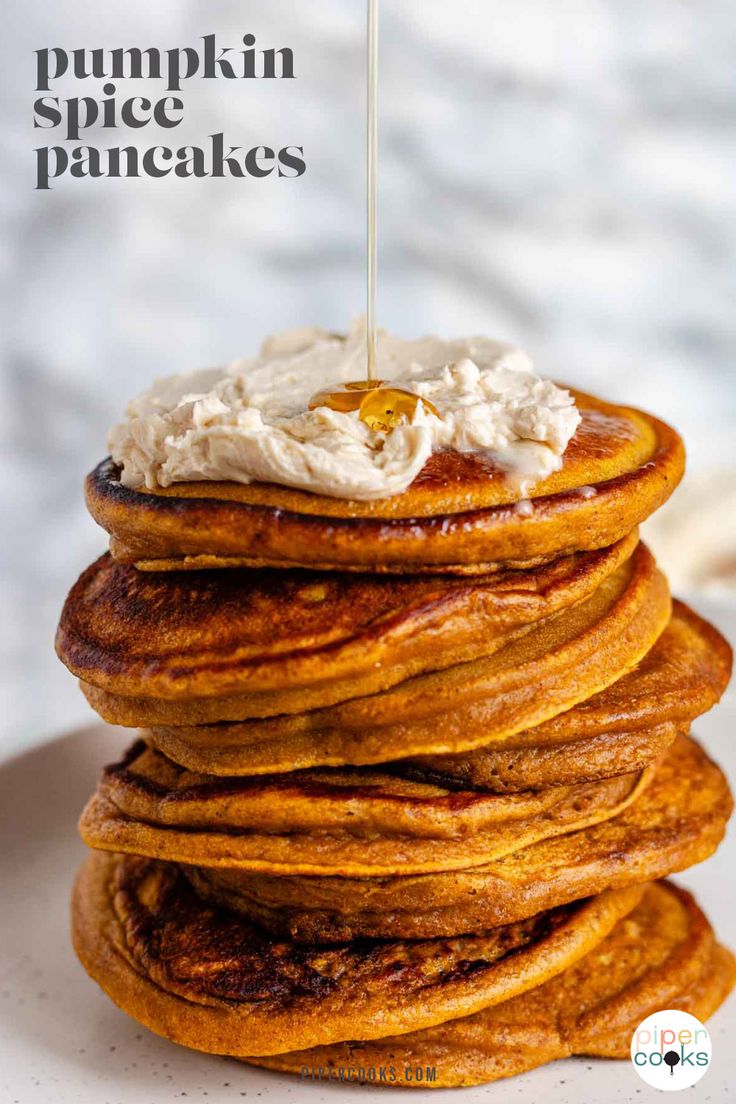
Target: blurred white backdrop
(559, 175)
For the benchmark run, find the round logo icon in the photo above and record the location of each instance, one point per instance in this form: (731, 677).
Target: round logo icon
(671, 1050)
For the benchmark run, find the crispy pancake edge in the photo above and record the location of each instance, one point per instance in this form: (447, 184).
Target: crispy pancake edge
(621, 729)
(586, 648)
(596, 738)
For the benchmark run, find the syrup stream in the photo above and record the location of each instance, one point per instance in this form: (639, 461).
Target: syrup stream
(380, 406)
(371, 189)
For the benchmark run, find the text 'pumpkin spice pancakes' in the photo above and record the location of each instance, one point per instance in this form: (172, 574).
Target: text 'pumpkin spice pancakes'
(413, 758)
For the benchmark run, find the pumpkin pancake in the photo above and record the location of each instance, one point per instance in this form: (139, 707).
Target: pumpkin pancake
(211, 980)
(355, 821)
(565, 658)
(334, 635)
(619, 730)
(661, 955)
(457, 516)
(677, 821)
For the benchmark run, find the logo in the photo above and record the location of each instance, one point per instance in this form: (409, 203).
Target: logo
(671, 1050)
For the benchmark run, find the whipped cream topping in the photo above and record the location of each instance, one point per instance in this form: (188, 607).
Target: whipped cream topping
(250, 422)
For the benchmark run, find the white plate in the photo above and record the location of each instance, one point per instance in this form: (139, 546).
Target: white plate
(63, 1042)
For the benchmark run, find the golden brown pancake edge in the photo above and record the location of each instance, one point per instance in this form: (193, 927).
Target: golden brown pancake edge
(621, 729)
(678, 821)
(348, 822)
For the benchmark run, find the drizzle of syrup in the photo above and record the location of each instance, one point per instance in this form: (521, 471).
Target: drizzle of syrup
(381, 406)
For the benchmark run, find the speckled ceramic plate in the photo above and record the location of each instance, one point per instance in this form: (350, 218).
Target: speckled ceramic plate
(63, 1042)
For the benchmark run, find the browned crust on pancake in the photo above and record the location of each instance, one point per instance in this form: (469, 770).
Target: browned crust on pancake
(222, 632)
(350, 822)
(443, 528)
(679, 820)
(211, 981)
(565, 658)
(662, 955)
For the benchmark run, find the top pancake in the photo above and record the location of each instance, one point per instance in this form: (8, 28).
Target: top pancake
(457, 516)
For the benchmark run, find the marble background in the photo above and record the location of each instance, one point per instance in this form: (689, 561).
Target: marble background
(557, 174)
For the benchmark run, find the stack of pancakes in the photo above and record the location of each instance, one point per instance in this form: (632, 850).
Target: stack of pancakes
(407, 770)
